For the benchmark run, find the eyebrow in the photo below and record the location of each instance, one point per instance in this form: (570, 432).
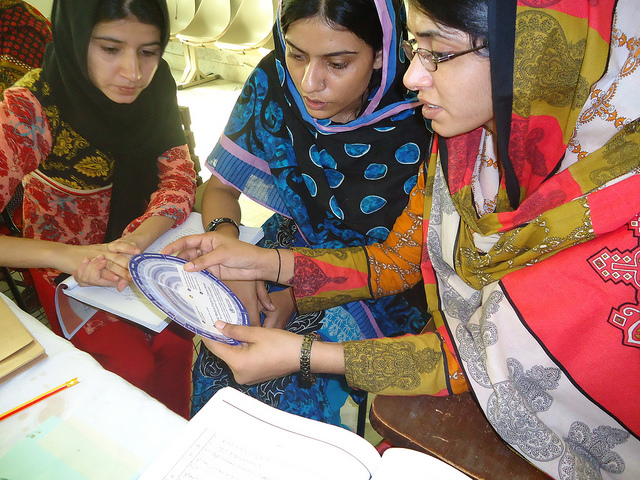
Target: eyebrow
(120, 42)
(432, 33)
(332, 54)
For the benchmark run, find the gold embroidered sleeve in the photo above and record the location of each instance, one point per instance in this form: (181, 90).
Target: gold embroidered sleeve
(407, 365)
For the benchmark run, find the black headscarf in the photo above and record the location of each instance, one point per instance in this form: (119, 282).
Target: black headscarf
(135, 134)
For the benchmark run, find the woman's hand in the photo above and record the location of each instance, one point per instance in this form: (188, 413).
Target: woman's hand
(103, 264)
(265, 353)
(106, 264)
(282, 311)
(254, 296)
(231, 259)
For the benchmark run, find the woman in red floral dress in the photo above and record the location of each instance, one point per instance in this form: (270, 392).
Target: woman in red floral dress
(95, 138)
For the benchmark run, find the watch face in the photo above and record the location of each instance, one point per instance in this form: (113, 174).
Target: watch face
(195, 300)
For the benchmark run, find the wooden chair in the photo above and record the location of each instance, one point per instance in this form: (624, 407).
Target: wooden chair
(453, 429)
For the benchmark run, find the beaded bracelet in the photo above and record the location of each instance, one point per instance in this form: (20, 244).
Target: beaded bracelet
(307, 379)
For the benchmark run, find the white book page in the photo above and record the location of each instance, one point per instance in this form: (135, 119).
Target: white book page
(130, 303)
(406, 464)
(237, 437)
(193, 226)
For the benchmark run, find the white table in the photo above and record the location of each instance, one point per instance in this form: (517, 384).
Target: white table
(116, 428)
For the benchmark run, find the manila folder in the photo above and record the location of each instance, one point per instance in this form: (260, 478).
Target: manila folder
(18, 349)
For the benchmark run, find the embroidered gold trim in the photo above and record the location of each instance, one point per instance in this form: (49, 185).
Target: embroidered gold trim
(374, 365)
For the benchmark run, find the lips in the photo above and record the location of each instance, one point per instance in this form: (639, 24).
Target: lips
(314, 104)
(424, 101)
(127, 90)
(430, 110)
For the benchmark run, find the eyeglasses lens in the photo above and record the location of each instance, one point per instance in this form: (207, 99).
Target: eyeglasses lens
(429, 64)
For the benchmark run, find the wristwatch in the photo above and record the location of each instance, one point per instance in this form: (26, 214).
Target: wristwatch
(216, 222)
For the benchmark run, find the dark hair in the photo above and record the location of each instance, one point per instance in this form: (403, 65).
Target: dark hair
(469, 16)
(357, 16)
(145, 11)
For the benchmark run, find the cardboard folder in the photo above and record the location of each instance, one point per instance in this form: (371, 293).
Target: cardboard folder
(18, 349)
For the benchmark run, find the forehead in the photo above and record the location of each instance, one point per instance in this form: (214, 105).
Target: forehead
(422, 26)
(126, 29)
(314, 35)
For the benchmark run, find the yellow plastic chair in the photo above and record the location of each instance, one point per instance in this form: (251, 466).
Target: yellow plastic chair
(251, 27)
(181, 13)
(210, 21)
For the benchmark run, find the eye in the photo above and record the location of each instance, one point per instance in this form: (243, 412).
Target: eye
(426, 56)
(441, 49)
(110, 50)
(295, 56)
(150, 52)
(338, 66)
(441, 54)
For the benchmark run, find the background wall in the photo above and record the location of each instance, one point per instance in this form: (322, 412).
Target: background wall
(232, 66)
(43, 5)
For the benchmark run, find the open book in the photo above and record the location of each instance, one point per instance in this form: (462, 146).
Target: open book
(237, 437)
(75, 304)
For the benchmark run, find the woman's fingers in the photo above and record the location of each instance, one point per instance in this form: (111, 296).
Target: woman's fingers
(123, 247)
(265, 353)
(264, 297)
(204, 242)
(94, 272)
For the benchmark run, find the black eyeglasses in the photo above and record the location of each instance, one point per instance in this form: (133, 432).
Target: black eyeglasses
(430, 59)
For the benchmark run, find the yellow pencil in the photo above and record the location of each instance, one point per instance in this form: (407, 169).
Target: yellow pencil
(19, 408)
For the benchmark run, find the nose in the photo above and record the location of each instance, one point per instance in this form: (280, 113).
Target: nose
(417, 76)
(314, 78)
(130, 66)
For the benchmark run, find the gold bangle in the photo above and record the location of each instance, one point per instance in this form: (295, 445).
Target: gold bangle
(307, 379)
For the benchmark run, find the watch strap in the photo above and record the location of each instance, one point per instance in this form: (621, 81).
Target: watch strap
(216, 222)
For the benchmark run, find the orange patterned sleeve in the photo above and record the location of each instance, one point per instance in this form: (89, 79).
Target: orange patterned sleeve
(395, 263)
(324, 278)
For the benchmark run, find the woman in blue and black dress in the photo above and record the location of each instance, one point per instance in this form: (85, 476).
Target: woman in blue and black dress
(326, 136)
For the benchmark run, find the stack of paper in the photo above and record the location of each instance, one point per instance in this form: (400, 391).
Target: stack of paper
(18, 349)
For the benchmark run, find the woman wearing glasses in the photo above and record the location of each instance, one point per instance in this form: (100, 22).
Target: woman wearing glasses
(526, 234)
